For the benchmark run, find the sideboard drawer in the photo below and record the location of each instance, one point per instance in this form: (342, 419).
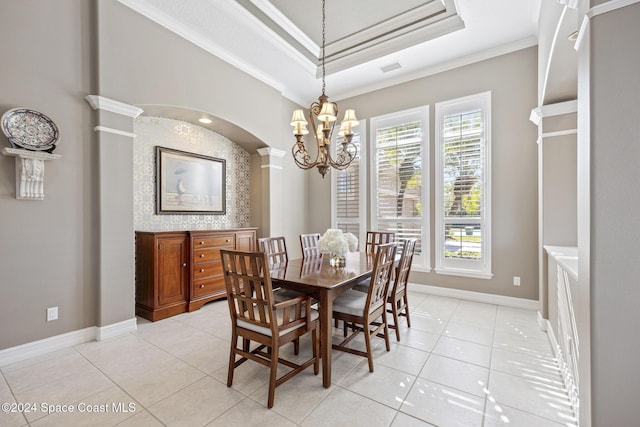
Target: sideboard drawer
(207, 270)
(214, 241)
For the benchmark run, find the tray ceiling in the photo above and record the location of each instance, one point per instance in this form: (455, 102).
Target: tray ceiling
(370, 44)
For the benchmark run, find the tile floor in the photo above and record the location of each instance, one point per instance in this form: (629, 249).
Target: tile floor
(461, 363)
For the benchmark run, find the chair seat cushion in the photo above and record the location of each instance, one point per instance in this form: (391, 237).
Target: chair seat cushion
(351, 302)
(362, 286)
(266, 331)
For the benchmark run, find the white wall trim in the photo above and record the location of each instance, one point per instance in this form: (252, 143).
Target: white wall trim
(552, 110)
(101, 103)
(271, 167)
(116, 329)
(542, 323)
(526, 304)
(114, 131)
(559, 133)
(608, 7)
(599, 10)
(69, 339)
(270, 151)
(191, 35)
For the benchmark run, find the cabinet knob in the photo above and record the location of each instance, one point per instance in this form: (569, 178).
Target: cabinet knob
(201, 255)
(184, 264)
(201, 286)
(202, 243)
(228, 240)
(202, 270)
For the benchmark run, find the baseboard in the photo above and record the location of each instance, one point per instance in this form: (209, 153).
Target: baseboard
(552, 339)
(59, 342)
(567, 377)
(116, 329)
(542, 322)
(526, 304)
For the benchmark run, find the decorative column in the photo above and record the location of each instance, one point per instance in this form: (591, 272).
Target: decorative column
(29, 172)
(116, 287)
(272, 191)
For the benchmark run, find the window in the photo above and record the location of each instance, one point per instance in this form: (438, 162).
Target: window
(400, 178)
(349, 186)
(463, 199)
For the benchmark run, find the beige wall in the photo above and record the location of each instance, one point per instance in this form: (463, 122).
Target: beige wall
(512, 81)
(614, 88)
(47, 247)
(63, 251)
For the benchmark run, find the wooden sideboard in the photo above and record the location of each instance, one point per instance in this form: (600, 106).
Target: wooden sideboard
(179, 271)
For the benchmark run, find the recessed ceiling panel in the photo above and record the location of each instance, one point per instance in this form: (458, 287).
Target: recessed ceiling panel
(355, 31)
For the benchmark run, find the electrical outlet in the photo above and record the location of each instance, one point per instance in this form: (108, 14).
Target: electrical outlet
(52, 314)
(516, 280)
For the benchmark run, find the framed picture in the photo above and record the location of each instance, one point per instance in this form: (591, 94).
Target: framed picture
(189, 183)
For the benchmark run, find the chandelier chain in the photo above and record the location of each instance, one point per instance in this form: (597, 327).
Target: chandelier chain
(323, 25)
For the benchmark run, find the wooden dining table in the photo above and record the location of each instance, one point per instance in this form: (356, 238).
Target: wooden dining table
(315, 277)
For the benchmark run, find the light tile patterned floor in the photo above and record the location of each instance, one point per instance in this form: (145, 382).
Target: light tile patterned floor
(461, 363)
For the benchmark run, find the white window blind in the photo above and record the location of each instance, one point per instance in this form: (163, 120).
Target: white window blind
(349, 191)
(462, 185)
(400, 178)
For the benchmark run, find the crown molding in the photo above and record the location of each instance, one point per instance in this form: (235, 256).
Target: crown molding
(270, 151)
(98, 102)
(185, 32)
(442, 67)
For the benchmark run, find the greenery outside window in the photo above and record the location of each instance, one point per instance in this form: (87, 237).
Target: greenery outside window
(400, 178)
(463, 190)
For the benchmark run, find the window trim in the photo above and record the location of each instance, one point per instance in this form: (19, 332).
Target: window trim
(421, 262)
(362, 159)
(444, 266)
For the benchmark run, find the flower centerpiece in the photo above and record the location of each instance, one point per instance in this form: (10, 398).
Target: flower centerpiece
(336, 243)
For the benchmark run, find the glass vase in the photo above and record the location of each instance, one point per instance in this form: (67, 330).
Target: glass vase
(337, 260)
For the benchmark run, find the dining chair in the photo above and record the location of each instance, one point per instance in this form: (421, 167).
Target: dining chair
(275, 248)
(359, 311)
(309, 244)
(257, 317)
(376, 238)
(397, 299)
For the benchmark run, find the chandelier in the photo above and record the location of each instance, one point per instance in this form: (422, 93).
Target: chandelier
(323, 116)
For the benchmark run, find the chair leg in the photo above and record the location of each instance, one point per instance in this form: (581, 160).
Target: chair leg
(316, 351)
(386, 330)
(396, 323)
(273, 376)
(367, 342)
(296, 346)
(232, 358)
(406, 310)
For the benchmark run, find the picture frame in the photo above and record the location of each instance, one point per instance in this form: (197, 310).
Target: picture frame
(190, 183)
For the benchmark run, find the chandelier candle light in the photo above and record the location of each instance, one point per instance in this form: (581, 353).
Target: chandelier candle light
(323, 116)
(337, 244)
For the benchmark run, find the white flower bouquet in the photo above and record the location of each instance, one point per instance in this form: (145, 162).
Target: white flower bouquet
(334, 241)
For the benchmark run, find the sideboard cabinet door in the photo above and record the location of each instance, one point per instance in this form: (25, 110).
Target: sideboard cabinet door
(162, 274)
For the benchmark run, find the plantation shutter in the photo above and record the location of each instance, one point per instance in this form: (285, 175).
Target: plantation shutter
(400, 175)
(347, 195)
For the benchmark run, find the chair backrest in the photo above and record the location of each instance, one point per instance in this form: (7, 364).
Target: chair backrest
(382, 270)
(404, 266)
(252, 305)
(309, 244)
(249, 289)
(275, 248)
(376, 238)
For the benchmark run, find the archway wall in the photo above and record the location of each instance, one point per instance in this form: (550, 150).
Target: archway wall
(140, 62)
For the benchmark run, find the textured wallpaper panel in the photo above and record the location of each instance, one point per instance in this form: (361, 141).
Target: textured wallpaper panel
(153, 131)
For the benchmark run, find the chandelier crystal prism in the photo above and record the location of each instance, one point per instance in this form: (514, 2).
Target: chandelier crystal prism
(323, 116)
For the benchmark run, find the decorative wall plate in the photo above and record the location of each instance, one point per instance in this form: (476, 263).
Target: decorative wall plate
(29, 129)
